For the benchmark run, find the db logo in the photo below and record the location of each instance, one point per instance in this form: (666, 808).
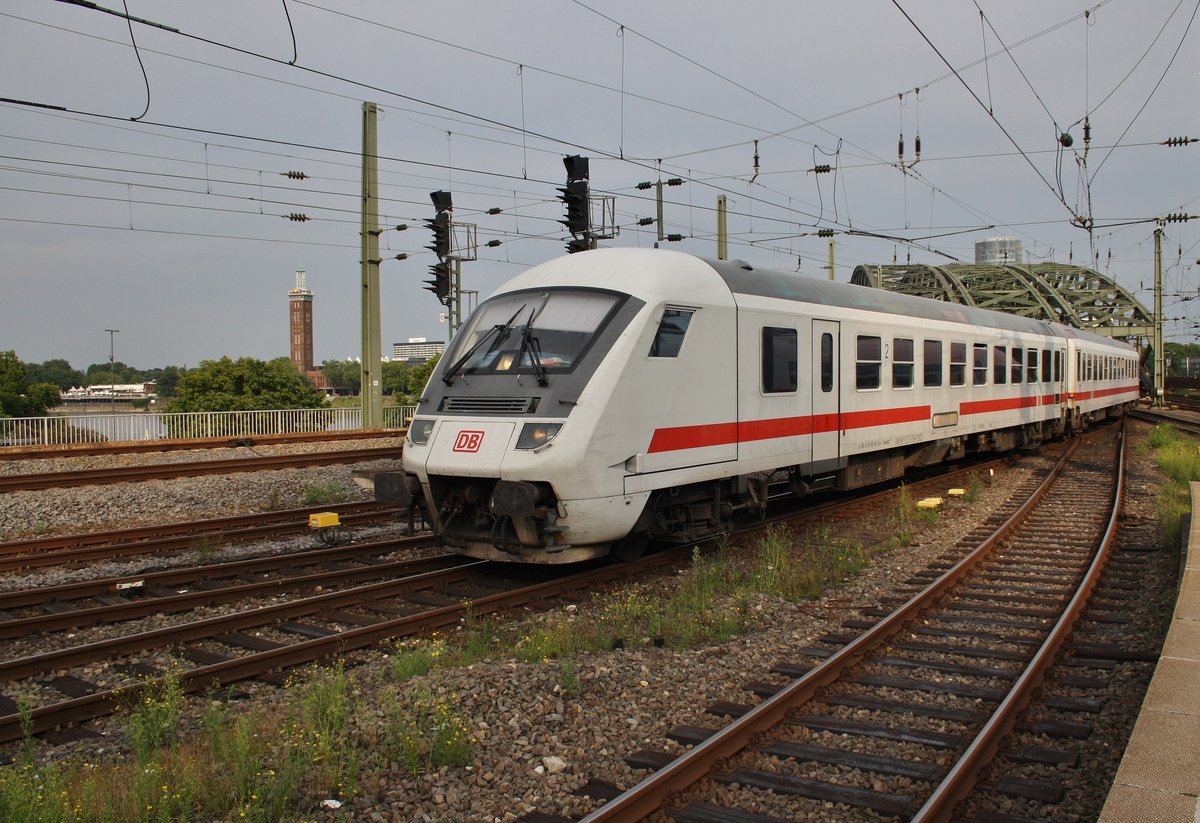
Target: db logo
(468, 441)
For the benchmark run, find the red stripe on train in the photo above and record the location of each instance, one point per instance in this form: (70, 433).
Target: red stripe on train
(724, 434)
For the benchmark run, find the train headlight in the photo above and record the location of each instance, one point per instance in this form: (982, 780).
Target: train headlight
(534, 435)
(419, 431)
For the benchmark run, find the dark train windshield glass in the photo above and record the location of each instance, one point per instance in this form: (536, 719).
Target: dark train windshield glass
(524, 332)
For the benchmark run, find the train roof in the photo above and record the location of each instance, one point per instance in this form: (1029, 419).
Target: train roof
(688, 277)
(743, 278)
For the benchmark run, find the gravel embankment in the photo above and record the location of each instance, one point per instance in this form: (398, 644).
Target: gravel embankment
(27, 514)
(534, 744)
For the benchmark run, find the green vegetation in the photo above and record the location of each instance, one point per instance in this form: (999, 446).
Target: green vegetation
(1177, 355)
(423, 732)
(154, 716)
(20, 396)
(57, 372)
(324, 493)
(400, 381)
(1179, 457)
(274, 764)
(245, 384)
(262, 767)
(718, 597)
(60, 373)
(207, 546)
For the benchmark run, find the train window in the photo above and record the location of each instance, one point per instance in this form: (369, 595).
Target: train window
(1058, 360)
(672, 328)
(958, 364)
(1017, 358)
(1031, 366)
(1079, 365)
(827, 362)
(779, 355)
(979, 366)
(529, 332)
(933, 362)
(1046, 363)
(902, 363)
(1000, 365)
(868, 363)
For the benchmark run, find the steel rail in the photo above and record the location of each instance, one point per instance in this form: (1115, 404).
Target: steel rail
(31, 665)
(186, 529)
(189, 444)
(161, 471)
(249, 666)
(961, 779)
(21, 598)
(1189, 425)
(20, 562)
(47, 718)
(649, 794)
(110, 613)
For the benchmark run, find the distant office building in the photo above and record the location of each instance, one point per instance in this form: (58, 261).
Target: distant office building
(417, 350)
(300, 301)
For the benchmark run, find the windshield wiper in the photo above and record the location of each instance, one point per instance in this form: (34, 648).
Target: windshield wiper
(498, 331)
(530, 343)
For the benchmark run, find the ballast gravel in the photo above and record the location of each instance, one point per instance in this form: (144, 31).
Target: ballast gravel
(535, 744)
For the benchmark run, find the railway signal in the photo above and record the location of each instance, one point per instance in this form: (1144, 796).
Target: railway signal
(442, 245)
(575, 197)
(440, 226)
(439, 284)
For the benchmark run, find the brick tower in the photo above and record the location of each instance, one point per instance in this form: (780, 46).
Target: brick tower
(301, 309)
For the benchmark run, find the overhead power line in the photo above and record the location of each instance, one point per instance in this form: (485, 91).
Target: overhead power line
(1057, 195)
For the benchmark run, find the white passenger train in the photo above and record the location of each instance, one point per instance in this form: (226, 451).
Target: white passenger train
(610, 397)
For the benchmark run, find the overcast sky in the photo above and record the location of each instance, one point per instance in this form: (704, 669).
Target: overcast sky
(168, 223)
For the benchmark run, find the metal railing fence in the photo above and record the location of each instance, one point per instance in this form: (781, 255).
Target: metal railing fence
(66, 429)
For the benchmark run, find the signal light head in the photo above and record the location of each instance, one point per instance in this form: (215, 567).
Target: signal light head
(577, 167)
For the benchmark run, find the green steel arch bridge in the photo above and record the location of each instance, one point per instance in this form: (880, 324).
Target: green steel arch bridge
(1072, 295)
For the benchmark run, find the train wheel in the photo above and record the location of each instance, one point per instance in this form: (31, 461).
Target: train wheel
(631, 548)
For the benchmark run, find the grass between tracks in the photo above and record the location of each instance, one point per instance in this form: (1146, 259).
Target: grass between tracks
(1178, 456)
(330, 732)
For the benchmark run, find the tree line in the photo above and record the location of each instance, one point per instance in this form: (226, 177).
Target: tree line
(225, 384)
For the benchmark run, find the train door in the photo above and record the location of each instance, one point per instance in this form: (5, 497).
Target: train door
(826, 391)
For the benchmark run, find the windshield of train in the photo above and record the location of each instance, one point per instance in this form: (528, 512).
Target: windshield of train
(530, 332)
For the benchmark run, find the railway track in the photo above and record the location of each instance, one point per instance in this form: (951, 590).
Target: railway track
(1184, 402)
(900, 717)
(165, 471)
(1150, 415)
(115, 599)
(71, 549)
(77, 683)
(339, 600)
(188, 444)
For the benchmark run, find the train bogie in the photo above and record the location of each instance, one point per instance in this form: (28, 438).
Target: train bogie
(615, 396)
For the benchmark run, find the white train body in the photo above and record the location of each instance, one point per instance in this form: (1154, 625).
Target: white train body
(658, 395)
